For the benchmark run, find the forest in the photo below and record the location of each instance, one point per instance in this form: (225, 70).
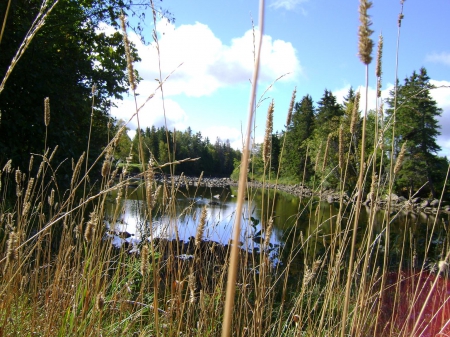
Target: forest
(311, 148)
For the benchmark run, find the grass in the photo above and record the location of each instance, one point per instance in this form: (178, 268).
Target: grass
(61, 277)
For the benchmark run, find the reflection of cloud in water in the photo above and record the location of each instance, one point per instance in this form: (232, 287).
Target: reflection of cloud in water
(219, 223)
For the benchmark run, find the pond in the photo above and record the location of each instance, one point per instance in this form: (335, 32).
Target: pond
(316, 220)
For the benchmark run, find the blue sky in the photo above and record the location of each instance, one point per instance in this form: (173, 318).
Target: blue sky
(313, 43)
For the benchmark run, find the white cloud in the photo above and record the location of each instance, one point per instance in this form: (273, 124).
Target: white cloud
(341, 93)
(224, 133)
(443, 58)
(441, 95)
(207, 63)
(287, 4)
(152, 114)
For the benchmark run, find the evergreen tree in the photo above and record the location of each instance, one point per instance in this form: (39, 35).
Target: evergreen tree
(328, 113)
(300, 129)
(416, 124)
(325, 141)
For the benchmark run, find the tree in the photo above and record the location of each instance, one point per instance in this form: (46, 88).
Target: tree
(324, 143)
(66, 59)
(300, 129)
(417, 125)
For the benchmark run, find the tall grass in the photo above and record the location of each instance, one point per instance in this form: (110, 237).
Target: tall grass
(62, 276)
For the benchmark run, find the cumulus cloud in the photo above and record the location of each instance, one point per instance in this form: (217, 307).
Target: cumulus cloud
(287, 4)
(152, 114)
(442, 97)
(224, 133)
(371, 103)
(207, 63)
(443, 58)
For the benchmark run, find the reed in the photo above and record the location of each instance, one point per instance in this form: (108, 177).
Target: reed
(62, 274)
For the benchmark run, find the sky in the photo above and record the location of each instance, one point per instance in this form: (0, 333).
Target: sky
(310, 45)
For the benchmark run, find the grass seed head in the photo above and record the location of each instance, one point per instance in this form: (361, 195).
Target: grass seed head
(365, 45)
(8, 166)
(378, 71)
(201, 227)
(355, 113)
(400, 158)
(267, 146)
(11, 248)
(268, 233)
(126, 42)
(144, 259)
(91, 226)
(341, 148)
(100, 302)
(47, 111)
(291, 107)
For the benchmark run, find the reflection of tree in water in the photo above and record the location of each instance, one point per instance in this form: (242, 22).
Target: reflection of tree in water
(312, 222)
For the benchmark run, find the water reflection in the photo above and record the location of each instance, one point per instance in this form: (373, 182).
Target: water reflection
(294, 221)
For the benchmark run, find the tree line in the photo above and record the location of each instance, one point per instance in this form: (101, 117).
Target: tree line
(163, 146)
(322, 141)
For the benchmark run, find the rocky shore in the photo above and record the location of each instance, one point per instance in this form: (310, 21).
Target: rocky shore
(415, 205)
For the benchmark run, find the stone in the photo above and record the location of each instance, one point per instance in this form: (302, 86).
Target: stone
(424, 203)
(434, 203)
(401, 199)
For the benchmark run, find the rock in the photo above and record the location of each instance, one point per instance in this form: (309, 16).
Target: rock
(330, 199)
(424, 203)
(428, 210)
(434, 203)
(401, 199)
(415, 200)
(393, 198)
(370, 197)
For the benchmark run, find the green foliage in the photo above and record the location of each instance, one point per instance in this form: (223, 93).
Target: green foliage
(301, 128)
(416, 124)
(217, 159)
(66, 58)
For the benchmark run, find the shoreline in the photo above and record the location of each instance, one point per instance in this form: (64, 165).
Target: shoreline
(399, 203)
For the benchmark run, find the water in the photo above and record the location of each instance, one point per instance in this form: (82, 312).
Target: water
(316, 220)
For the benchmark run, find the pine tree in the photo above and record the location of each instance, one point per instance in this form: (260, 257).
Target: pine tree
(300, 129)
(416, 124)
(325, 141)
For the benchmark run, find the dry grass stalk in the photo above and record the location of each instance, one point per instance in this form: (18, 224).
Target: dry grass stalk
(378, 70)
(341, 148)
(268, 233)
(100, 302)
(91, 226)
(11, 248)
(77, 169)
(47, 111)
(126, 42)
(191, 285)
(355, 113)
(201, 227)
(325, 156)
(8, 166)
(149, 179)
(291, 107)
(267, 146)
(30, 164)
(316, 165)
(400, 158)
(365, 45)
(53, 153)
(29, 189)
(144, 260)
